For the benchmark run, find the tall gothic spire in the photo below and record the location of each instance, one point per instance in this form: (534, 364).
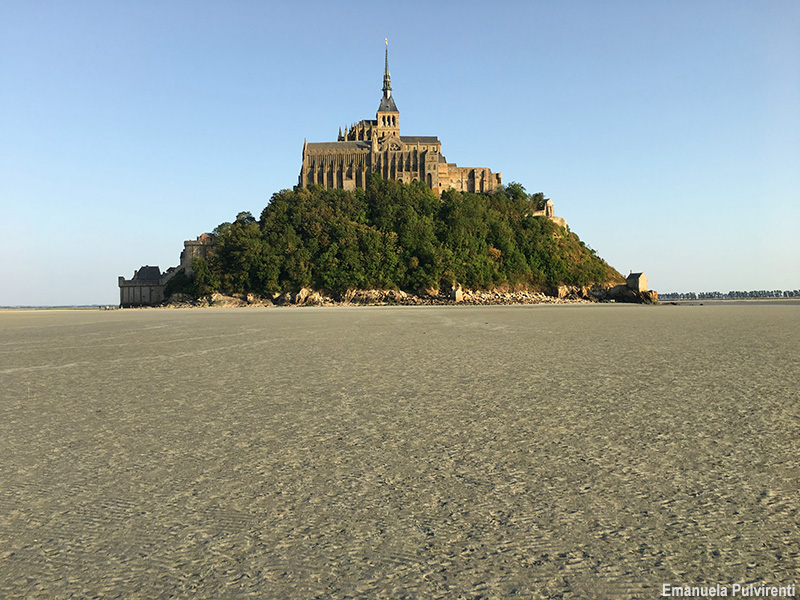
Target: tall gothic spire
(387, 80)
(387, 102)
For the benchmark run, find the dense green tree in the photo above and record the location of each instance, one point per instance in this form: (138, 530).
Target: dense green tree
(205, 277)
(395, 235)
(180, 283)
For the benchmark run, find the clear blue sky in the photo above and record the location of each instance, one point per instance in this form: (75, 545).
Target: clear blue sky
(666, 133)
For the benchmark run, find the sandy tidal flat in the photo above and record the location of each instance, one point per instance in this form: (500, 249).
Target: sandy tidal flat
(392, 452)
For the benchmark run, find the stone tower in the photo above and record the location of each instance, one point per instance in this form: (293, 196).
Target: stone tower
(388, 116)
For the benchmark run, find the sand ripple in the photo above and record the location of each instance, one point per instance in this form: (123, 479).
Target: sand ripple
(376, 452)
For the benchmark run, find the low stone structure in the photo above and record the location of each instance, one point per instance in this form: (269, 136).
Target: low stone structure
(633, 290)
(549, 212)
(146, 287)
(199, 248)
(637, 282)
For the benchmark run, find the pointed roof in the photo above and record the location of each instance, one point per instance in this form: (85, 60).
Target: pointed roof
(387, 105)
(147, 273)
(387, 102)
(387, 79)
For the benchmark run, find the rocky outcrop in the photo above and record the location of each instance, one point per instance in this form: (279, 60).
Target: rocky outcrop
(222, 301)
(623, 293)
(373, 297)
(256, 300)
(573, 292)
(455, 294)
(283, 299)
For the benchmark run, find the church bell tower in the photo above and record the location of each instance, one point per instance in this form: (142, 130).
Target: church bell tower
(388, 116)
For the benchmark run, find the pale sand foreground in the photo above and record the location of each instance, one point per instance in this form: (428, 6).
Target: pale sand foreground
(448, 452)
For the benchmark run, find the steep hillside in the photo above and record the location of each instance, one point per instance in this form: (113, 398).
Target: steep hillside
(395, 236)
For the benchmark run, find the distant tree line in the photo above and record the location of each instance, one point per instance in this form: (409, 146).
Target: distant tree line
(393, 236)
(730, 295)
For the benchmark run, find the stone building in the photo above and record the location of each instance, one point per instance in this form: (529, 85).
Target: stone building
(549, 212)
(146, 287)
(377, 146)
(199, 248)
(637, 282)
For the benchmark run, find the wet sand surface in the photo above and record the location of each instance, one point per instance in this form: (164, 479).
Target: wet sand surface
(398, 452)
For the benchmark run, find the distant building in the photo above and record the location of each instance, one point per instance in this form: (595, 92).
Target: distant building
(199, 248)
(146, 287)
(549, 212)
(637, 282)
(376, 146)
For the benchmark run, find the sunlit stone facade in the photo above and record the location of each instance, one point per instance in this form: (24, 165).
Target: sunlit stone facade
(377, 146)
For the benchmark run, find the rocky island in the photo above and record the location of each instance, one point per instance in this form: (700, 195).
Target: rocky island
(379, 217)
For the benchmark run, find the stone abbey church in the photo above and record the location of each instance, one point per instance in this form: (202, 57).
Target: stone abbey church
(377, 146)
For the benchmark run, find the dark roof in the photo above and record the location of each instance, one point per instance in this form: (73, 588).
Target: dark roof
(419, 139)
(351, 146)
(148, 273)
(387, 105)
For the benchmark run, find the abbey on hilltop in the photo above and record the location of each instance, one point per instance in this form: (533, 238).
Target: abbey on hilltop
(376, 146)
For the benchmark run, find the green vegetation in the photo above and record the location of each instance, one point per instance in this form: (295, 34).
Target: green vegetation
(394, 236)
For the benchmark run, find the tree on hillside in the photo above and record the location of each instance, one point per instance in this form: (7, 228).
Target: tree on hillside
(395, 235)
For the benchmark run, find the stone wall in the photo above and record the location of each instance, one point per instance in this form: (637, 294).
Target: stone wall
(549, 213)
(146, 287)
(132, 293)
(199, 248)
(468, 179)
